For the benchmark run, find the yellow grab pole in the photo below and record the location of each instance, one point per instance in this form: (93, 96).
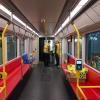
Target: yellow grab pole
(78, 57)
(78, 49)
(3, 60)
(78, 41)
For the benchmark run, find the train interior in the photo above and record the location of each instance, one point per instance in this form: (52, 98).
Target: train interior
(49, 50)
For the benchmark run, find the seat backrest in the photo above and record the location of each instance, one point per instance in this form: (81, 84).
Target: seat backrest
(71, 60)
(93, 76)
(25, 58)
(11, 65)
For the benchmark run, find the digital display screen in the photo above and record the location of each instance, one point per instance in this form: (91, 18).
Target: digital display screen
(79, 62)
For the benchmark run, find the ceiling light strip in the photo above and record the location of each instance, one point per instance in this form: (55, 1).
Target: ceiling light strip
(72, 14)
(8, 12)
(18, 20)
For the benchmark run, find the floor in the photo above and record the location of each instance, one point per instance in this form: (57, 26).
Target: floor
(46, 83)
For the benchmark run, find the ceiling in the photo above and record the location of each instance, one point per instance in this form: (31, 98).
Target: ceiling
(45, 15)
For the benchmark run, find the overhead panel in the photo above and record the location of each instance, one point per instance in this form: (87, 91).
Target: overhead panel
(83, 21)
(70, 29)
(93, 15)
(89, 17)
(96, 9)
(2, 23)
(69, 5)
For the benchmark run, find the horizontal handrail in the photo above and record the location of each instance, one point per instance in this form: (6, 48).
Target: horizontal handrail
(89, 87)
(81, 93)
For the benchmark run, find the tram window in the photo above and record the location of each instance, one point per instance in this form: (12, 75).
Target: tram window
(69, 45)
(22, 46)
(0, 50)
(93, 50)
(75, 46)
(11, 47)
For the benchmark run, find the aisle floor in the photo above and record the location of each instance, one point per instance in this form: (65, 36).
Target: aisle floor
(45, 84)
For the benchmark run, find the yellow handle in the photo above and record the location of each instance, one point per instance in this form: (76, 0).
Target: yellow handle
(3, 58)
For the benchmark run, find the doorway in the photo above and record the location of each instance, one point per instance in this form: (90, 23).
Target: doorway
(42, 41)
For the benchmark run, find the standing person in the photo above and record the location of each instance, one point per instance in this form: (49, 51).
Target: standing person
(46, 54)
(57, 52)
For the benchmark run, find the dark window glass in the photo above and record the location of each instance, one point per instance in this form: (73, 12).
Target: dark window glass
(11, 47)
(22, 46)
(93, 49)
(69, 45)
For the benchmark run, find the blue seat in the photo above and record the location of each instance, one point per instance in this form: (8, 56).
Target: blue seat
(25, 58)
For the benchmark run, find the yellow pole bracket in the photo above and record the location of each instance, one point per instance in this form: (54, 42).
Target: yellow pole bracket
(85, 98)
(4, 74)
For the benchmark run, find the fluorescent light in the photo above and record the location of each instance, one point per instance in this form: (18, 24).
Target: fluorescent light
(32, 30)
(66, 22)
(78, 8)
(83, 2)
(4, 9)
(72, 14)
(58, 30)
(75, 11)
(20, 21)
(28, 28)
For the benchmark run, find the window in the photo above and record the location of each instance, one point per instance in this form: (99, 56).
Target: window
(22, 46)
(69, 45)
(93, 49)
(75, 47)
(11, 47)
(0, 49)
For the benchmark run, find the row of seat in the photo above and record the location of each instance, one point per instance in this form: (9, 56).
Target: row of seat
(15, 72)
(93, 79)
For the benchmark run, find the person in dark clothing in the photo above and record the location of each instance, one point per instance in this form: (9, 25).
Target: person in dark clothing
(57, 59)
(46, 54)
(57, 53)
(46, 59)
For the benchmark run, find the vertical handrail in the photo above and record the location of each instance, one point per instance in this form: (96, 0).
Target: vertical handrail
(78, 40)
(78, 57)
(3, 60)
(78, 49)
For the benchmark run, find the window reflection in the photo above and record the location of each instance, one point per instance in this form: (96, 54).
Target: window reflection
(93, 49)
(69, 40)
(22, 46)
(11, 47)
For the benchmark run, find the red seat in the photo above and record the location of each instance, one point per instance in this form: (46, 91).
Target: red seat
(15, 71)
(93, 79)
